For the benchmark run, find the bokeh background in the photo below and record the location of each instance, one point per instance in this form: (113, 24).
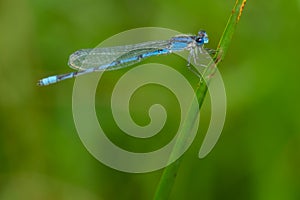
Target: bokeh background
(41, 155)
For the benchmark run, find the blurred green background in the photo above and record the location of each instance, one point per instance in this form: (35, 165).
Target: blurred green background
(41, 155)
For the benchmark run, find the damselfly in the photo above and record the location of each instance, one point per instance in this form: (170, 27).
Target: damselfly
(112, 58)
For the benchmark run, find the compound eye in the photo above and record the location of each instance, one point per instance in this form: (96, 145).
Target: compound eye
(199, 40)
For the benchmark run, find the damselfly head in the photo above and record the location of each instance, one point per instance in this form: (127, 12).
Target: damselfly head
(202, 38)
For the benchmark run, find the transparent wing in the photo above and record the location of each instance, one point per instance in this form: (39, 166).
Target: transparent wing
(91, 58)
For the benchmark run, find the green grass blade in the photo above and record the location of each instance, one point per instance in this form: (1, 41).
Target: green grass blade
(169, 175)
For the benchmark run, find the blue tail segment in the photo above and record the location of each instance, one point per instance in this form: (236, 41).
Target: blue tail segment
(47, 81)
